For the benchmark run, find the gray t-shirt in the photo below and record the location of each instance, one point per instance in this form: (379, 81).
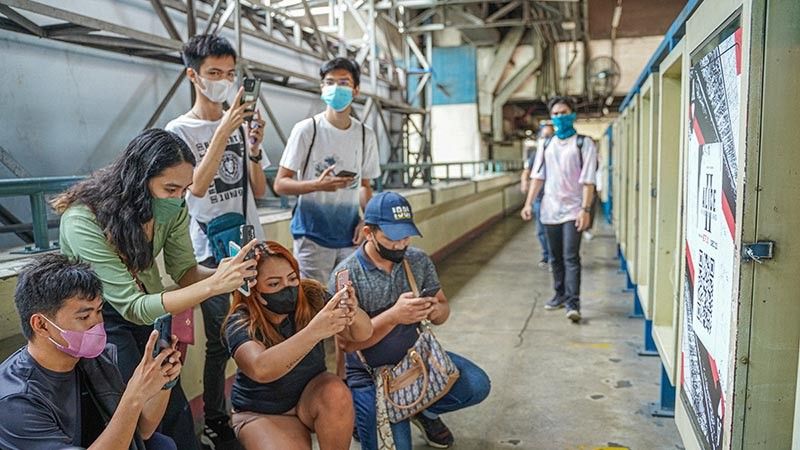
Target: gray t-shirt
(39, 409)
(378, 291)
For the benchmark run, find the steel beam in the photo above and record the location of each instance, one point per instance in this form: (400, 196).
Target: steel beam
(324, 51)
(504, 11)
(508, 88)
(165, 100)
(158, 7)
(22, 21)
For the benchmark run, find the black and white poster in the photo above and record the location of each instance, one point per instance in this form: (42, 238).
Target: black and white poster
(710, 205)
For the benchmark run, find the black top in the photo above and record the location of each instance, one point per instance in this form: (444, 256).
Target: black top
(39, 408)
(282, 394)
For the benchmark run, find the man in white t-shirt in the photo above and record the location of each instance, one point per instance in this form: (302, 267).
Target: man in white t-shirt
(216, 139)
(329, 162)
(565, 167)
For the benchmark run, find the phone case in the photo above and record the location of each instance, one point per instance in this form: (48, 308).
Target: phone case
(163, 325)
(233, 250)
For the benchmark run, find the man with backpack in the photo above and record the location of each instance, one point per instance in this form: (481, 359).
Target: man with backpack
(229, 174)
(329, 162)
(565, 167)
(545, 134)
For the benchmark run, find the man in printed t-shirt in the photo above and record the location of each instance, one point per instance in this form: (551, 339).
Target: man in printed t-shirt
(329, 161)
(215, 138)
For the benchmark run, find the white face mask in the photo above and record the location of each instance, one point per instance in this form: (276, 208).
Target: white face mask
(216, 90)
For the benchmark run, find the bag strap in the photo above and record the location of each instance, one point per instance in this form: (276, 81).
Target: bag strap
(245, 177)
(580, 140)
(412, 282)
(308, 155)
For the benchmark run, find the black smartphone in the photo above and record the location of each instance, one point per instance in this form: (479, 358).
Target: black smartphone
(247, 233)
(346, 174)
(163, 325)
(429, 292)
(252, 88)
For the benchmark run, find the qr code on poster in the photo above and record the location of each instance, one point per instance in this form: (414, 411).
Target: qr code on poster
(705, 290)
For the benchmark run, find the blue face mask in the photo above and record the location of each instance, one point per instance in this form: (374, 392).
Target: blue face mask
(337, 97)
(166, 209)
(563, 125)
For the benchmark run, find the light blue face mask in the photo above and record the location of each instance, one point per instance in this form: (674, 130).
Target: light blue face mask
(337, 97)
(563, 125)
(166, 209)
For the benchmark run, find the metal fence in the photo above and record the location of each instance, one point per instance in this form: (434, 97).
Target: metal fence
(393, 176)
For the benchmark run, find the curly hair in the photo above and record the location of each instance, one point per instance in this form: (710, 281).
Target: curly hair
(119, 195)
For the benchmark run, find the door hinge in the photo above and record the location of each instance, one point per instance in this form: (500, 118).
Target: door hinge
(757, 251)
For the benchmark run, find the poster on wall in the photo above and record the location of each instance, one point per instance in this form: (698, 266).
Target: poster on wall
(710, 247)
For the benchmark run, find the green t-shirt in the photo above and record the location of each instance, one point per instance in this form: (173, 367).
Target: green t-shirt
(81, 237)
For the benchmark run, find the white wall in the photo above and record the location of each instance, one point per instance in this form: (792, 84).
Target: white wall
(454, 133)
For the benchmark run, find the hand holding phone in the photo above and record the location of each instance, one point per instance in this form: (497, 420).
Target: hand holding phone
(163, 325)
(342, 281)
(346, 174)
(246, 234)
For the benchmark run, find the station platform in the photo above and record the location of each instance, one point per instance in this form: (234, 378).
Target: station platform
(555, 384)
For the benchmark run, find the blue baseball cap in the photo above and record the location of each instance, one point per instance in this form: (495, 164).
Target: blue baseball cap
(392, 213)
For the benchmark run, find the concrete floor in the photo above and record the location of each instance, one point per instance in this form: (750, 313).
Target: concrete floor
(555, 385)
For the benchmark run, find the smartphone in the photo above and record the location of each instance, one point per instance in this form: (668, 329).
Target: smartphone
(252, 88)
(342, 278)
(163, 325)
(429, 292)
(346, 174)
(246, 234)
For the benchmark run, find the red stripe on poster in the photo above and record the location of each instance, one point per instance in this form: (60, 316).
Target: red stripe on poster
(737, 36)
(714, 369)
(697, 132)
(689, 262)
(726, 209)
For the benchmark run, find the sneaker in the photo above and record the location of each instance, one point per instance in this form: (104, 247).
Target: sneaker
(544, 264)
(554, 303)
(574, 313)
(218, 435)
(434, 431)
(588, 236)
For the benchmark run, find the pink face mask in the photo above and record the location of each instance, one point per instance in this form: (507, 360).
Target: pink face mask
(82, 344)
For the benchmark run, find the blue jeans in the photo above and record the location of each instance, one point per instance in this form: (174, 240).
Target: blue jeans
(471, 388)
(541, 234)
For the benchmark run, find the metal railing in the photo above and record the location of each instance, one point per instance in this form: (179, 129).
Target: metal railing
(35, 189)
(393, 175)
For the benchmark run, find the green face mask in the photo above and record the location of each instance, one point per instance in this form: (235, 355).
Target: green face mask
(166, 209)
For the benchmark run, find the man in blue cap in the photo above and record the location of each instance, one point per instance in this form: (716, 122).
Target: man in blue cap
(383, 291)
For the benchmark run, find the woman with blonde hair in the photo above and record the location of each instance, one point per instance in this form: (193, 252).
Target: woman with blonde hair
(282, 391)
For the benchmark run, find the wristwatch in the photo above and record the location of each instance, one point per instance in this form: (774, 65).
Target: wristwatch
(257, 159)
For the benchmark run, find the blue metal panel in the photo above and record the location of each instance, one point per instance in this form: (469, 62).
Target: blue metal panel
(454, 75)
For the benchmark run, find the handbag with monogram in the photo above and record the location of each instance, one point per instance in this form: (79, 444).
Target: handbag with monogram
(421, 378)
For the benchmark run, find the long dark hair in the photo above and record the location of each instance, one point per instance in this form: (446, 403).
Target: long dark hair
(119, 196)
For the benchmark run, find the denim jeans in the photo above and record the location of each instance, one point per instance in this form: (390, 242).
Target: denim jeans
(541, 234)
(130, 340)
(565, 259)
(471, 388)
(214, 311)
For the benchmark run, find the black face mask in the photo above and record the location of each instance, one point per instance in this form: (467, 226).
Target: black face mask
(395, 256)
(283, 301)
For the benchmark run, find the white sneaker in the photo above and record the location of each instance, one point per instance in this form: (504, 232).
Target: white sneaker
(588, 236)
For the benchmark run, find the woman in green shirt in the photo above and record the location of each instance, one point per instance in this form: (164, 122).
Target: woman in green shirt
(119, 220)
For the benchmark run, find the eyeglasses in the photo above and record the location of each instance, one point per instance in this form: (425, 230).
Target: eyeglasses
(339, 82)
